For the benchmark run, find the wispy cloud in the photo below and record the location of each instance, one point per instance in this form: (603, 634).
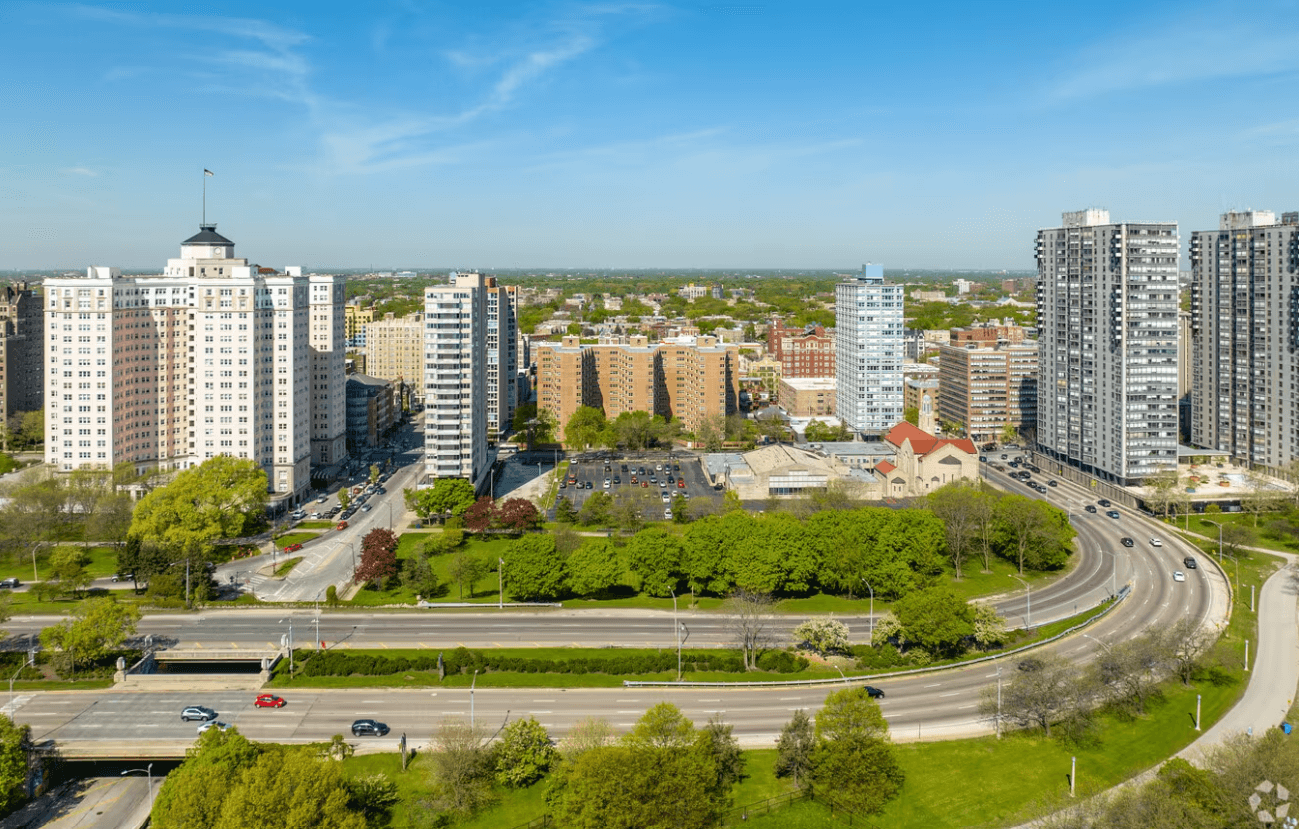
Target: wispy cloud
(1211, 43)
(79, 171)
(273, 61)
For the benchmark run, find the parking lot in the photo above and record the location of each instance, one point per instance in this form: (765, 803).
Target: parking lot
(651, 471)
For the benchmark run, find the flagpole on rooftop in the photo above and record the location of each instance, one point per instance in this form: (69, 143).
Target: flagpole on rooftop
(206, 173)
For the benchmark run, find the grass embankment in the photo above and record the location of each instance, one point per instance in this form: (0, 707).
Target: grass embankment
(626, 594)
(314, 525)
(517, 806)
(1263, 536)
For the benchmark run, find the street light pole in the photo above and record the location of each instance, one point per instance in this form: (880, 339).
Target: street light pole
(31, 660)
(870, 636)
(148, 771)
(676, 625)
(471, 698)
(998, 702)
(1114, 573)
(1028, 602)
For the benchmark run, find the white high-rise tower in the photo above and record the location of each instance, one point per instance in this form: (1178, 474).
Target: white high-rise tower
(212, 357)
(868, 351)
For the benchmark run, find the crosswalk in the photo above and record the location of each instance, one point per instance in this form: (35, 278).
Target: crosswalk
(10, 707)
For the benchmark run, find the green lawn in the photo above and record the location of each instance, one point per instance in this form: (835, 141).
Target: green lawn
(102, 563)
(409, 543)
(1263, 538)
(314, 525)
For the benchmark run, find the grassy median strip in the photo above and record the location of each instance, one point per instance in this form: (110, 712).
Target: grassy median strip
(284, 569)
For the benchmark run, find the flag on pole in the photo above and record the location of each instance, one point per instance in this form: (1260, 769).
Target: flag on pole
(207, 172)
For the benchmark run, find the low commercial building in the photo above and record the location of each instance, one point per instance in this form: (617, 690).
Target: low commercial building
(807, 396)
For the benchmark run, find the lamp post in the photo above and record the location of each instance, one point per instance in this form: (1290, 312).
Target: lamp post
(676, 626)
(1028, 602)
(31, 660)
(998, 702)
(318, 592)
(148, 771)
(681, 629)
(870, 636)
(471, 698)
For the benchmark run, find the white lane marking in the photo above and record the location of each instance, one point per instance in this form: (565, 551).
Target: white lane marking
(952, 694)
(935, 685)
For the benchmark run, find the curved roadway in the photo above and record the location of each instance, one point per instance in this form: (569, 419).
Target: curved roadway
(943, 704)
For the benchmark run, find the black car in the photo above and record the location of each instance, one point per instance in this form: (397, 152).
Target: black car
(588, 484)
(1112, 513)
(1030, 664)
(1127, 542)
(617, 479)
(1050, 483)
(874, 693)
(1090, 508)
(1103, 502)
(1189, 561)
(369, 728)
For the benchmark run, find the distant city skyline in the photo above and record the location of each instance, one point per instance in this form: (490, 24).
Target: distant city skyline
(632, 135)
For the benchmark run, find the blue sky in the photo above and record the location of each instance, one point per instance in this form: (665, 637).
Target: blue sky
(497, 135)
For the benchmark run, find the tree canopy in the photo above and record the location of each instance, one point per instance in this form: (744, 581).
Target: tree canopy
(220, 498)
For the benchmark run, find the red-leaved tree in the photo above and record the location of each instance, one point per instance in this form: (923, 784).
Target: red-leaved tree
(480, 517)
(518, 514)
(378, 556)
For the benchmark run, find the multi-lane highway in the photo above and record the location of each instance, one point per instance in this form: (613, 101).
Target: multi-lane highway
(933, 705)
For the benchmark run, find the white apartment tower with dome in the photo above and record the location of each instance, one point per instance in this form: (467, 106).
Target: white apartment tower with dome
(214, 356)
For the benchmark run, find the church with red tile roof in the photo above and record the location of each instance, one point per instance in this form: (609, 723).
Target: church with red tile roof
(925, 462)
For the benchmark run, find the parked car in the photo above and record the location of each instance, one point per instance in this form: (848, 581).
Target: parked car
(292, 548)
(124, 577)
(1189, 561)
(369, 728)
(681, 483)
(667, 515)
(367, 508)
(10, 582)
(269, 701)
(197, 712)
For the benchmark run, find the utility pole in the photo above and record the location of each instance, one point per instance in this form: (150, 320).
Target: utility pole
(870, 636)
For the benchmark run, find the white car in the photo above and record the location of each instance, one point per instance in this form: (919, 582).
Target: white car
(1178, 575)
(213, 724)
(667, 514)
(1155, 542)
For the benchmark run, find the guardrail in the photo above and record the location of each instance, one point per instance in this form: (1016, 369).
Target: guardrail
(1123, 593)
(484, 606)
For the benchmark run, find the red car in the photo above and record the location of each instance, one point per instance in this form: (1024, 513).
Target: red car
(644, 483)
(292, 548)
(342, 525)
(269, 701)
(681, 484)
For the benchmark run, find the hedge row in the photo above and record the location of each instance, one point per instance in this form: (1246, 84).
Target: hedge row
(463, 660)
